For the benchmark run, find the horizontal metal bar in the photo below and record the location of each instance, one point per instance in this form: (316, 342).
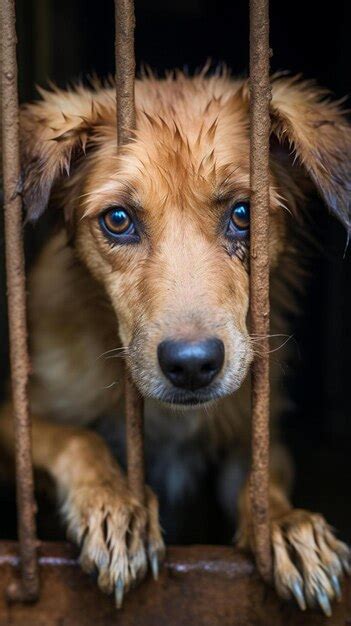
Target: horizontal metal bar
(207, 585)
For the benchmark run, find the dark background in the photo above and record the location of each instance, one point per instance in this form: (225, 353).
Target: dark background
(63, 40)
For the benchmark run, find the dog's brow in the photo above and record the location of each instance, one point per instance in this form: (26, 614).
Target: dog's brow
(99, 199)
(130, 201)
(230, 192)
(222, 195)
(235, 183)
(126, 195)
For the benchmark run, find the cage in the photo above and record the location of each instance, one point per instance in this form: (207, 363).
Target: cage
(202, 584)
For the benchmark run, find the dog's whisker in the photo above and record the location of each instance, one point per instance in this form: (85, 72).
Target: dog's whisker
(347, 242)
(122, 355)
(281, 345)
(258, 338)
(118, 349)
(258, 352)
(110, 385)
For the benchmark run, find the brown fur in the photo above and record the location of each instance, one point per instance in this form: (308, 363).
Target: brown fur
(186, 165)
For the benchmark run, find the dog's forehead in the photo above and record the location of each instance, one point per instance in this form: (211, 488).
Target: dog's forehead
(192, 136)
(190, 118)
(188, 131)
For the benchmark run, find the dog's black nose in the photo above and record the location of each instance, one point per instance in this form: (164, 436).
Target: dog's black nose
(191, 364)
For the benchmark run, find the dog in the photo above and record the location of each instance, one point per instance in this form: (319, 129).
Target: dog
(151, 264)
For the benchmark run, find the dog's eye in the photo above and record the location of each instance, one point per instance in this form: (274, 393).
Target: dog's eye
(117, 224)
(117, 221)
(240, 218)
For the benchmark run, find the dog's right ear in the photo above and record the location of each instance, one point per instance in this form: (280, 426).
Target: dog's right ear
(54, 133)
(316, 131)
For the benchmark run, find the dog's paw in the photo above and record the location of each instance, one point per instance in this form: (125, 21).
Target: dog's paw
(118, 536)
(309, 562)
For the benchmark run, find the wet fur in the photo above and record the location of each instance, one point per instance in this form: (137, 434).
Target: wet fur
(90, 304)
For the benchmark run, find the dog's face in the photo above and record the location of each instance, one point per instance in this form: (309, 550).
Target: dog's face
(165, 224)
(165, 228)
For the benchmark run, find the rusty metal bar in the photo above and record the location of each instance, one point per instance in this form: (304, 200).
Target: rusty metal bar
(27, 588)
(135, 439)
(125, 68)
(125, 75)
(260, 94)
(198, 585)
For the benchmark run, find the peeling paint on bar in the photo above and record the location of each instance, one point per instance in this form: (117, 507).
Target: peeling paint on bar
(125, 75)
(260, 94)
(25, 589)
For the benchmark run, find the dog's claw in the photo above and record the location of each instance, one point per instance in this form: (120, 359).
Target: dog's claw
(119, 592)
(323, 602)
(346, 566)
(298, 594)
(336, 586)
(154, 565)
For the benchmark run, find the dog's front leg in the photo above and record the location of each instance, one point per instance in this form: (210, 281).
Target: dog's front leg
(117, 535)
(308, 560)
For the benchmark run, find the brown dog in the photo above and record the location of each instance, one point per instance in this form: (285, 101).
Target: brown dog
(155, 268)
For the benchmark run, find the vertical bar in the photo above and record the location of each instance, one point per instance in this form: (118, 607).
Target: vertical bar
(260, 94)
(135, 439)
(125, 69)
(125, 74)
(28, 587)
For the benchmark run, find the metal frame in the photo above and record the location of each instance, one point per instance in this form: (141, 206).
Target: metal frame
(27, 588)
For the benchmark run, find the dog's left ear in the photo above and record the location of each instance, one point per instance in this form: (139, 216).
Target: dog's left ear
(317, 132)
(54, 133)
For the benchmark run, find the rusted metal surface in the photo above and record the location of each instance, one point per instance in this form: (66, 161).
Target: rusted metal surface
(135, 439)
(198, 586)
(125, 68)
(27, 587)
(125, 75)
(259, 276)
